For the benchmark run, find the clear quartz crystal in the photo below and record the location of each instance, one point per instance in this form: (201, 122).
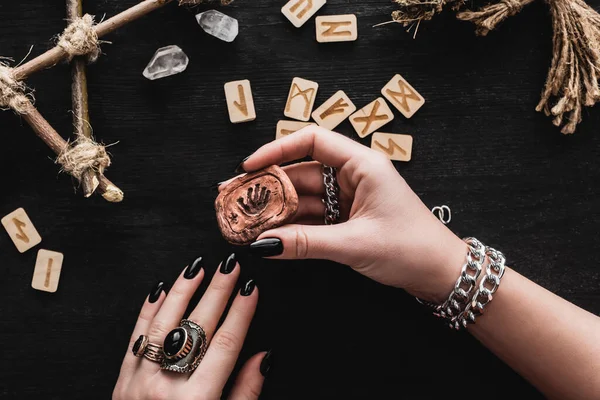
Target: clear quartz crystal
(167, 61)
(219, 25)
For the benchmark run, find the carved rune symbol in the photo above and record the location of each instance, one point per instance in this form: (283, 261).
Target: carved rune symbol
(48, 273)
(285, 132)
(21, 235)
(243, 107)
(309, 5)
(257, 200)
(333, 26)
(337, 108)
(391, 146)
(368, 120)
(401, 96)
(304, 94)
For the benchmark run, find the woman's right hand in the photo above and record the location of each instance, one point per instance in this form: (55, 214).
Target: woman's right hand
(386, 233)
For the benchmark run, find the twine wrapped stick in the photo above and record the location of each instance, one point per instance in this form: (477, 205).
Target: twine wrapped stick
(84, 159)
(572, 81)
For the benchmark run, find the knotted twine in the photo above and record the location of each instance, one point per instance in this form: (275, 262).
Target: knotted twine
(12, 92)
(80, 38)
(572, 80)
(84, 154)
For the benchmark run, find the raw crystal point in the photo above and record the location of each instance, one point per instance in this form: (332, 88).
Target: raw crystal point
(219, 25)
(166, 61)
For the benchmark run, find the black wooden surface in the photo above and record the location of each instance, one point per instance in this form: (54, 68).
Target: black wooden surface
(509, 176)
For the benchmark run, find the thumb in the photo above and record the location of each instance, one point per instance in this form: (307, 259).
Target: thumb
(249, 382)
(329, 242)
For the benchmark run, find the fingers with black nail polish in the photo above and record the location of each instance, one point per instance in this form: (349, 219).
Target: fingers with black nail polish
(155, 292)
(267, 247)
(248, 288)
(228, 264)
(240, 167)
(216, 186)
(266, 363)
(194, 268)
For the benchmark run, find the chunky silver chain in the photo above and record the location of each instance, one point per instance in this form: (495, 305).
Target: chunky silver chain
(331, 198)
(461, 309)
(466, 282)
(487, 287)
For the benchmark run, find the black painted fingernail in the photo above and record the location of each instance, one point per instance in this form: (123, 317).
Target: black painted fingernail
(248, 288)
(240, 168)
(266, 363)
(267, 247)
(216, 185)
(228, 264)
(194, 268)
(155, 292)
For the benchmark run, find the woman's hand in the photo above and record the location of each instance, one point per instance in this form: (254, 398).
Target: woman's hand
(387, 233)
(141, 378)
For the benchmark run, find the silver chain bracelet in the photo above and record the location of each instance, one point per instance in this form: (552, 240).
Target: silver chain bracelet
(460, 309)
(465, 283)
(331, 198)
(493, 274)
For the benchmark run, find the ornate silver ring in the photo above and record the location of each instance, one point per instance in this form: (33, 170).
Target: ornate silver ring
(331, 197)
(143, 347)
(184, 347)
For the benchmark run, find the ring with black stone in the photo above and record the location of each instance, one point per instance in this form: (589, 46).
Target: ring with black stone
(143, 347)
(184, 347)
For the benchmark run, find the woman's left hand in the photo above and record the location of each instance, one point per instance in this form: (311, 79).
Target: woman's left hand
(141, 378)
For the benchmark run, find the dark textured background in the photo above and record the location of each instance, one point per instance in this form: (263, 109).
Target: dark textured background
(509, 176)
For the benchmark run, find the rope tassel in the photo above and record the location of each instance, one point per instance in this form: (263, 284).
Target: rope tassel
(491, 15)
(572, 81)
(573, 77)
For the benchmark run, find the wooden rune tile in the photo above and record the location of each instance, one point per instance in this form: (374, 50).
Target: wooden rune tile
(254, 203)
(240, 104)
(21, 230)
(285, 128)
(47, 271)
(335, 110)
(396, 147)
(371, 117)
(403, 96)
(336, 28)
(300, 11)
(301, 99)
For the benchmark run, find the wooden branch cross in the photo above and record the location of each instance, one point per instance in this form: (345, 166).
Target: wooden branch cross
(12, 95)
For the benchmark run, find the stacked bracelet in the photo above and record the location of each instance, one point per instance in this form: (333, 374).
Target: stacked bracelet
(464, 305)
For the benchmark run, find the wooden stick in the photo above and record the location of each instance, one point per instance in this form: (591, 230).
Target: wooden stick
(47, 133)
(79, 99)
(57, 54)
